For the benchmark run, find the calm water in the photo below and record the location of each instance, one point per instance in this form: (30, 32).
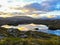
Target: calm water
(56, 32)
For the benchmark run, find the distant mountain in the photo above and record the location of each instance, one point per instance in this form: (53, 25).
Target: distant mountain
(23, 20)
(51, 18)
(15, 20)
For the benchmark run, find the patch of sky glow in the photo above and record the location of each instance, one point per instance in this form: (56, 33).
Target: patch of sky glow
(18, 2)
(58, 6)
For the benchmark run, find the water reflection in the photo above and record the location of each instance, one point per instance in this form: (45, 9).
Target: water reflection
(43, 28)
(56, 32)
(27, 27)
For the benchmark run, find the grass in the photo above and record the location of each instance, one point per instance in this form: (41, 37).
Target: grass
(29, 41)
(33, 38)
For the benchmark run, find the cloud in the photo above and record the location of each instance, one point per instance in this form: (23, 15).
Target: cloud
(43, 5)
(50, 5)
(18, 2)
(46, 5)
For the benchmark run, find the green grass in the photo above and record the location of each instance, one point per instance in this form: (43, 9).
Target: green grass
(38, 38)
(29, 41)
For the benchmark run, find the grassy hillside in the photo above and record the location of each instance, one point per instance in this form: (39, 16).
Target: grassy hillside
(16, 37)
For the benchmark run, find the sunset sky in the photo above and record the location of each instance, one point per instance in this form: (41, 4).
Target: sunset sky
(48, 4)
(17, 2)
(24, 2)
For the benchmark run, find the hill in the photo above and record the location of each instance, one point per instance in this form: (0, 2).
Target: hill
(52, 24)
(16, 37)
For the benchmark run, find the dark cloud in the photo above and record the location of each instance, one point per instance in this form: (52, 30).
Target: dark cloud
(48, 5)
